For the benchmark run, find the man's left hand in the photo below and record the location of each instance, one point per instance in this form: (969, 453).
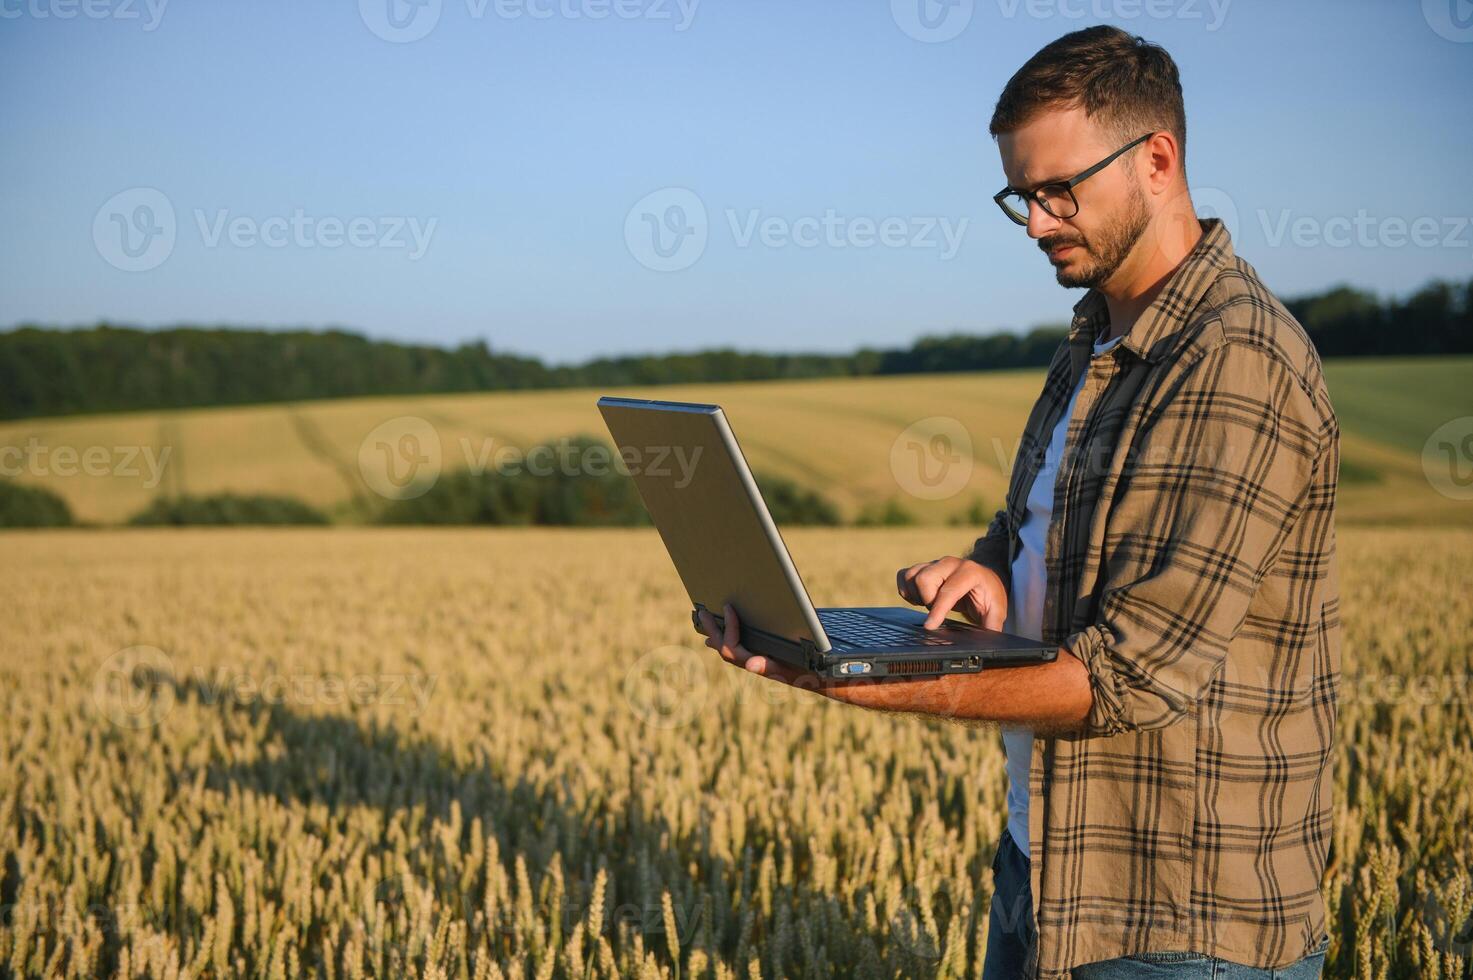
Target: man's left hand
(727, 642)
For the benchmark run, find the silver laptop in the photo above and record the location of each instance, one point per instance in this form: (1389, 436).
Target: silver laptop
(700, 493)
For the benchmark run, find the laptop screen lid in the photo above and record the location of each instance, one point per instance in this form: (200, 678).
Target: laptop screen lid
(696, 485)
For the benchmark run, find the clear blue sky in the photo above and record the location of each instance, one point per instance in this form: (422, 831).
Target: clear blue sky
(518, 145)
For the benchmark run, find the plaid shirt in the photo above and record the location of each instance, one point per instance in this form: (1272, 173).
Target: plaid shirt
(1190, 563)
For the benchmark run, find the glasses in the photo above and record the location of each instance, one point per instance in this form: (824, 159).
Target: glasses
(1056, 198)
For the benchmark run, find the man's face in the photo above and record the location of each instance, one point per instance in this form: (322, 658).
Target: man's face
(1089, 248)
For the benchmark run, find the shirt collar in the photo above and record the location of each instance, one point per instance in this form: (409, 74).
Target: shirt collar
(1149, 336)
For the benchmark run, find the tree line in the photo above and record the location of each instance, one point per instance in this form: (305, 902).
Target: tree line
(107, 368)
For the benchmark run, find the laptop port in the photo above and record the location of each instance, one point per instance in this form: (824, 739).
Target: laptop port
(854, 667)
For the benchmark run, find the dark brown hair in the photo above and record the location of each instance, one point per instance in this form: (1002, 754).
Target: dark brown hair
(1124, 82)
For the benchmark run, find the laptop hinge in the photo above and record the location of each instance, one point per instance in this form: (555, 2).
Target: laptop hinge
(810, 653)
(807, 648)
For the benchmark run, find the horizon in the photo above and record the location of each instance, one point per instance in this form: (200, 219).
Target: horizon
(452, 344)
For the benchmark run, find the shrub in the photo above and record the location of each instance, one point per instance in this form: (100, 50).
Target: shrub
(227, 508)
(22, 506)
(977, 514)
(888, 514)
(791, 504)
(587, 496)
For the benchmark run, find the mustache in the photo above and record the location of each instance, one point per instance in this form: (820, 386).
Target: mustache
(1050, 242)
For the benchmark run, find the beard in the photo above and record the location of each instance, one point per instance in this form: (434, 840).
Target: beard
(1105, 250)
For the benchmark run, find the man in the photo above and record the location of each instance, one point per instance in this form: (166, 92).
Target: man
(1169, 524)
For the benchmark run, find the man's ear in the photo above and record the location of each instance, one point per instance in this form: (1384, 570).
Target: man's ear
(1161, 158)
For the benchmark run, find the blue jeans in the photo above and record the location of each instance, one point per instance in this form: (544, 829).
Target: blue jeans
(1012, 940)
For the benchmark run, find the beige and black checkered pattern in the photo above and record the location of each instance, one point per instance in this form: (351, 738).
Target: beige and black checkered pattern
(1191, 568)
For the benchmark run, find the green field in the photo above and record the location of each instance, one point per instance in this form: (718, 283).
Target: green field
(834, 436)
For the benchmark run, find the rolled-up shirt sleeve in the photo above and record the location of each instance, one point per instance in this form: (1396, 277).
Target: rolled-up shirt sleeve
(993, 549)
(1206, 497)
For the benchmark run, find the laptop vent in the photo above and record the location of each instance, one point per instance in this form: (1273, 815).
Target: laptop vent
(913, 667)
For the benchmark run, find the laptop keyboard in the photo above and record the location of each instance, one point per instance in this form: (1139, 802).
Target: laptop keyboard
(857, 630)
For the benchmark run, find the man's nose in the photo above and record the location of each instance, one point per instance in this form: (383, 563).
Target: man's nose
(1040, 222)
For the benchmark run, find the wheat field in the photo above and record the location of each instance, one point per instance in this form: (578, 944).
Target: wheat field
(836, 436)
(504, 753)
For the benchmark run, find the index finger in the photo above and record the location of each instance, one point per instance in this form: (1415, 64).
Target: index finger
(733, 635)
(946, 597)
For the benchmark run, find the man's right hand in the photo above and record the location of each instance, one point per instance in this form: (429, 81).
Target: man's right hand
(955, 583)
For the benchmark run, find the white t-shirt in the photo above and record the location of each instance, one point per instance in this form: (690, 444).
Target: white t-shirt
(1025, 604)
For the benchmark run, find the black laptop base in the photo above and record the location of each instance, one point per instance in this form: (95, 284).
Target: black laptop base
(971, 649)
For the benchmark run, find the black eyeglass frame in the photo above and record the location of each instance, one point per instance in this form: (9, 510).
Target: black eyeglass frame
(1067, 185)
